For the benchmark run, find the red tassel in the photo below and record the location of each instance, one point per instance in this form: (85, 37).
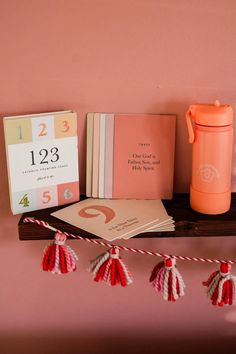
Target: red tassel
(166, 279)
(109, 267)
(221, 286)
(58, 257)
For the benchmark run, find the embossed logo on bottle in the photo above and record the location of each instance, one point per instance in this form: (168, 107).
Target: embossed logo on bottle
(208, 173)
(108, 212)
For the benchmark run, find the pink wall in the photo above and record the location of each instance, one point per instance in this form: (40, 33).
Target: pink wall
(118, 56)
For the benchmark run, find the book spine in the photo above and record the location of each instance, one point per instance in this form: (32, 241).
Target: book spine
(89, 155)
(95, 155)
(102, 131)
(109, 155)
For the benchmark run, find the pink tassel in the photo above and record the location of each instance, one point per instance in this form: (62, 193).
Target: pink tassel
(221, 286)
(166, 279)
(58, 257)
(109, 267)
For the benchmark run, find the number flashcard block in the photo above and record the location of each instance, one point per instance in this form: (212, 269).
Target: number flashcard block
(42, 160)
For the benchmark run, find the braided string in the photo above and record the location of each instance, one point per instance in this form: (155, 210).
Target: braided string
(125, 248)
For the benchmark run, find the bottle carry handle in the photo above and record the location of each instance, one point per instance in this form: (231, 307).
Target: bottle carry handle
(190, 127)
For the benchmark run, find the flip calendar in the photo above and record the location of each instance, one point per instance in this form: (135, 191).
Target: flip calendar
(42, 160)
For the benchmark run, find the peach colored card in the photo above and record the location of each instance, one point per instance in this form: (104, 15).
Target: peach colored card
(101, 172)
(112, 219)
(143, 164)
(109, 155)
(89, 154)
(95, 169)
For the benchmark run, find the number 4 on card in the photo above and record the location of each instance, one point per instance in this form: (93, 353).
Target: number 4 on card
(24, 201)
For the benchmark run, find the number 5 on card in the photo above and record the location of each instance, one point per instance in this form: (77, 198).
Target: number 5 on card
(47, 197)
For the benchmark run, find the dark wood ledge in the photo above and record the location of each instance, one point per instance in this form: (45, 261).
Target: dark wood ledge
(187, 222)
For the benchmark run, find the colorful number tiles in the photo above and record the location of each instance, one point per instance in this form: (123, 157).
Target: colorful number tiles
(42, 160)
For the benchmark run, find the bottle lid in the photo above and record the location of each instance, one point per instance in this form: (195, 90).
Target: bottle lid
(212, 115)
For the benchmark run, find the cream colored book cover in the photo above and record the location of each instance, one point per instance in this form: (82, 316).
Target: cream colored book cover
(42, 160)
(101, 177)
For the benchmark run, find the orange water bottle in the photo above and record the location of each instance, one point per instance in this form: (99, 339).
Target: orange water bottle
(211, 133)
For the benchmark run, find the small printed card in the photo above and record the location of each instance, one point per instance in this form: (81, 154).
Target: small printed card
(113, 219)
(130, 156)
(42, 160)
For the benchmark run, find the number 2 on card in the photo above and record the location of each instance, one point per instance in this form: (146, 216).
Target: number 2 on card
(43, 131)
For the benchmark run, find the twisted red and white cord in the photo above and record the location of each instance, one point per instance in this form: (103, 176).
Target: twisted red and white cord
(125, 248)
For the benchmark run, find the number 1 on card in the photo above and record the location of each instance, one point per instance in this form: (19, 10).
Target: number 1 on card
(19, 132)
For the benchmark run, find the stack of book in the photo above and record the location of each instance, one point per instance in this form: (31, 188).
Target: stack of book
(130, 156)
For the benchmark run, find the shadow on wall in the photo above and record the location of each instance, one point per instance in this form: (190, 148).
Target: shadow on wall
(114, 345)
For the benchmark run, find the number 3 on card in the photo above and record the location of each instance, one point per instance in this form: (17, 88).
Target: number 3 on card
(65, 126)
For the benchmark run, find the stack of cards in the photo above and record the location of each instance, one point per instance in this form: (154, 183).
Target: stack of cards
(116, 219)
(130, 156)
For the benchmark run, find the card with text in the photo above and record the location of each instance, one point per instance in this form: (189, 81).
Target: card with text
(130, 156)
(112, 219)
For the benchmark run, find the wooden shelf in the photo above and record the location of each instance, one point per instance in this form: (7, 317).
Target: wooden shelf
(187, 222)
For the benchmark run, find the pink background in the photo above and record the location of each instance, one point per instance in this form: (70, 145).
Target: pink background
(114, 56)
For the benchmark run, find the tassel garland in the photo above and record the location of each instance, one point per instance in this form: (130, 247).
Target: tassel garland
(110, 268)
(221, 286)
(166, 279)
(58, 257)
